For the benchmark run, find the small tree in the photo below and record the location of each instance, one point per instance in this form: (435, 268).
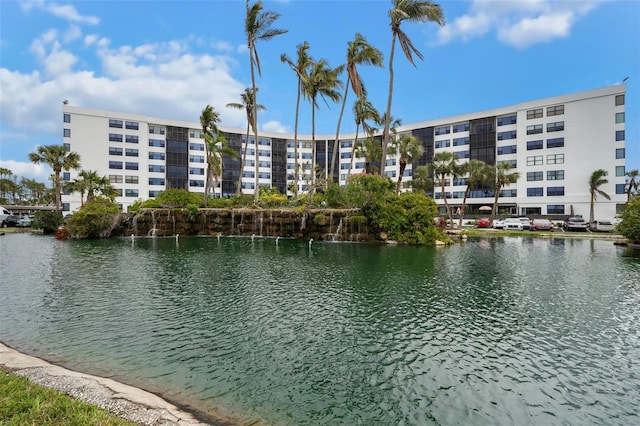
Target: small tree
(596, 180)
(630, 224)
(95, 220)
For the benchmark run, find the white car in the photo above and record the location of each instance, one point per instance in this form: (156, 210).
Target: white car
(498, 224)
(601, 226)
(512, 223)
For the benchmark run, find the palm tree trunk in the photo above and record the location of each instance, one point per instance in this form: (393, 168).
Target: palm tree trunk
(256, 194)
(446, 203)
(244, 161)
(385, 135)
(591, 215)
(58, 190)
(403, 165)
(295, 141)
(494, 210)
(353, 151)
(335, 146)
(464, 205)
(313, 148)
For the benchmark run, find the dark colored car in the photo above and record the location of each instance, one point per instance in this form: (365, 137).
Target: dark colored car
(542, 225)
(10, 220)
(575, 223)
(483, 222)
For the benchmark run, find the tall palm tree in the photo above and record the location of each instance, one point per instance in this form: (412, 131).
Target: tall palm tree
(217, 149)
(478, 173)
(209, 119)
(412, 11)
(301, 68)
(421, 181)
(323, 82)
(358, 52)
(596, 180)
(247, 105)
(363, 111)
(89, 182)
(257, 27)
(407, 148)
(632, 183)
(57, 157)
(500, 176)
(370, 150)
(445, 164)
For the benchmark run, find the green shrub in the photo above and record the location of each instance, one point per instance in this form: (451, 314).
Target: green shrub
(273, 200)
(336, 196)
(48, 221)
(357, 219)
(192, 212)
(319, 218)
(178, 198)
(151, 204)
(363, 190)
(630, 224)
(220, 203)
(95, 219)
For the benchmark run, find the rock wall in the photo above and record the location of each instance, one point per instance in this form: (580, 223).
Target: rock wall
(319, 224)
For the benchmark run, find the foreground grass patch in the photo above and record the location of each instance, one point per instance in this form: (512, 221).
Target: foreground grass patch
(25, 403)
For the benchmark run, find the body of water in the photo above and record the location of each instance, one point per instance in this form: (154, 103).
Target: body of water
(493, 331)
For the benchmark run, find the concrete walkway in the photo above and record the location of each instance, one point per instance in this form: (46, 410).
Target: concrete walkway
(133, 404)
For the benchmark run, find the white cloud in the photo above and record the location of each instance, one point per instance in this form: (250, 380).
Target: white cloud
(275, 126)
(67, 12)
(517, 23)
(38, 172)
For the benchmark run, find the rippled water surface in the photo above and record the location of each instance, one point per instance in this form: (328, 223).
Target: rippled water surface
(501, 331)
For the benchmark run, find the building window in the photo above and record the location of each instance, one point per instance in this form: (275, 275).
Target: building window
(509, 193)
(555, 110)
(511, 134)
(130, 192)
(196, 171)
(130, 152)
(156, 130)
(461, 141)
(250, 163)
(534, 176)
(131, 166)
(66, 118)
(264, 163)
(443, 144)
(117, 124)
(505, 121)
(115, 164)
(619, 117)
(131, 125)
(555, 159)
(158, 143)
(343, 144)
(115, 178)
(156, 181)
(115, 151)
(131, 179)
(345, 166)
(442, 130)
(555, 191)
(264, 142)
(248, 174)
(462, 127)
(196, 183)
(619, 170)
(555, 143)
(248, 185)
(391, 162)
(66, 176)
(555, 127)
(555, 174)
(264, 153)
(131, 139)
(306, 156)
(156, 155)
(534, 160)
(195, 134)
(535, 192)
(67, 147)
(153, 194)
(555, 209)
(156, 168)
(462, 154)
(66, 133)
(619, 100)
(264, 175)
(115, 137)
(195, 158)
(512, 163)
(196, 146)
(534, 129)
(510, 149)
(345, 155)
(534, 113)
(620, 135)
(620, 188)
(620, 153)
(531, 145)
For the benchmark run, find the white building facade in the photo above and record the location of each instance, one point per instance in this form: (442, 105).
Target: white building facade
(554, 143)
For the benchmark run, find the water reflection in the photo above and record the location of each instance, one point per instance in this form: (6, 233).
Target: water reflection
(506, 331)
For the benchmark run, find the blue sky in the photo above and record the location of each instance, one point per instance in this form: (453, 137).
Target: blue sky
(171, 58)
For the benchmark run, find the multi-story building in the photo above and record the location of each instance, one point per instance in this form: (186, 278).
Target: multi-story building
(554, 143)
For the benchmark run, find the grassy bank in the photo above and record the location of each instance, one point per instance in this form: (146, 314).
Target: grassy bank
(25, 403)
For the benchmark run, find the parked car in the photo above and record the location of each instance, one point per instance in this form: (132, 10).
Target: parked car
(512, 223)
(25, 222)
(526, 223)
(542, 225)
(498, 224)
(484, 222)
(601, 226)
(575, 223)
(10, 220)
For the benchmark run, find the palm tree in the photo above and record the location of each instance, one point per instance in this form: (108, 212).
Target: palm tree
(257, 27)
(370, 150)
(57, 157)
(363, 110)
(408, 148)
(89, 182)
(500, 176)
(421, 182)
(358, 52)
(323, 81)
(445, 164)
(217, 148)
(478, 173)
(596, 180)
(632, 183)
(209, 119)
(301, 68)
(412, 11)
(247, 105)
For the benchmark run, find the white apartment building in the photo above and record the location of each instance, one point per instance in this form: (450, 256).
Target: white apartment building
(554, 143)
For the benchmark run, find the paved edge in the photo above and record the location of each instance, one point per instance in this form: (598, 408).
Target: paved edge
(131, 403)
